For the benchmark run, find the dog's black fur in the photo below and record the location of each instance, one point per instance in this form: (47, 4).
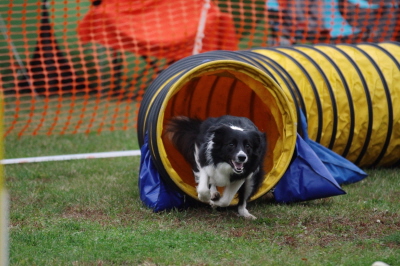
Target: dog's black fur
(226, 151)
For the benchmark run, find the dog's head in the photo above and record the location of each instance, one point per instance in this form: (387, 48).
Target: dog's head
(239, 147)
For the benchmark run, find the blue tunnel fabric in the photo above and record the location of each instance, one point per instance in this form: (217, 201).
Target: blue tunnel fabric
(154, 192)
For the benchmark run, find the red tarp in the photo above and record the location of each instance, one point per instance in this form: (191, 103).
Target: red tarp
(160, 28)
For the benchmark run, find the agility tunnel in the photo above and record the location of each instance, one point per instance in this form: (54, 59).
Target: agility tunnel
(346, 92)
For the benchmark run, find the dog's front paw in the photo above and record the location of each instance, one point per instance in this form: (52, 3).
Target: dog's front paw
(204, 196)
(219, 203)
(213, 204)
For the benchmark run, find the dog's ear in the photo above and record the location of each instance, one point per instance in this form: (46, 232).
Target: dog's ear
(260, 142)
(219, 131)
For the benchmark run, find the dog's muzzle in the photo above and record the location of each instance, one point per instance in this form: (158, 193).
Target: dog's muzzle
(238, 162)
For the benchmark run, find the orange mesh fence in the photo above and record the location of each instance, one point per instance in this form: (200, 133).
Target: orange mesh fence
(81, 66)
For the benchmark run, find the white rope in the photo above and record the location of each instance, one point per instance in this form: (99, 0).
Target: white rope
(198, 42)
(71, 157)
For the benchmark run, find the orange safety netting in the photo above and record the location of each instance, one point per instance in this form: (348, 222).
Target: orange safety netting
(77, 66)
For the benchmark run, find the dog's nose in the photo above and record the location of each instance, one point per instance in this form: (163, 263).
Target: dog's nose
(242, 158)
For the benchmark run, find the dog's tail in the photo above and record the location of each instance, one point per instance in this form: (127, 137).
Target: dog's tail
(183, 131)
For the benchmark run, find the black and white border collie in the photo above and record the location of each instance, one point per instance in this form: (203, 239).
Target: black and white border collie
(226, 151)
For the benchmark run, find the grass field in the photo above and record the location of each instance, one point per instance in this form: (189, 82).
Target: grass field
(88, 212)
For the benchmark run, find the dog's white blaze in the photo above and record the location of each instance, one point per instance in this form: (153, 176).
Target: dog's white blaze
(236, 128)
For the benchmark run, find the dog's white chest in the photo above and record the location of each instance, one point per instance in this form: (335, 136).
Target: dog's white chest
(219, 175)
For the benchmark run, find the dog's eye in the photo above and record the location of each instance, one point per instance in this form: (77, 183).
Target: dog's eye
(231, 144)
(248, 146)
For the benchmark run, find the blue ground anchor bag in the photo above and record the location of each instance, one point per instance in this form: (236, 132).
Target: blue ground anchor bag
(315, 172)
(306, 178)
(344, 171)
(154, 192)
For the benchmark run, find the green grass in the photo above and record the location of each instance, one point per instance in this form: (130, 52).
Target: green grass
(88, 212)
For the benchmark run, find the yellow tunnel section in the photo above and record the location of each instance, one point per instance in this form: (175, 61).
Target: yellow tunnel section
(349, 94)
